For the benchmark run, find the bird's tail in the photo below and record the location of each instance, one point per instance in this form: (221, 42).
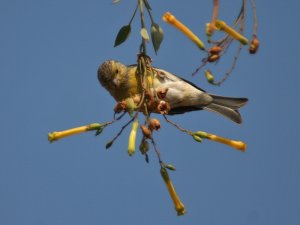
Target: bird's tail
(227, 106)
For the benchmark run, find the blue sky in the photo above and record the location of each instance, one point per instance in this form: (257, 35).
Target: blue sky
(49, 55)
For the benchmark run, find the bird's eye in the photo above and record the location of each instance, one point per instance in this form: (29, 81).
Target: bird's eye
(117, 71)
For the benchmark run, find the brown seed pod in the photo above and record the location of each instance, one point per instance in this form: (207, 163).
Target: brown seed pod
(213, 58)
(146, 131)
(154, 124)
(162, 92)
(163, 107)
(254, 45)
(215, 50)
(120, 106)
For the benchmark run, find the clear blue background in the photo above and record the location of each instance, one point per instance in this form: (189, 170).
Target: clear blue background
(49, 55)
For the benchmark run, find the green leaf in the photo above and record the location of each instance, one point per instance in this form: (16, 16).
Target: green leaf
(146, 158)
(109, 144)
(99, 131)
(147, 5)
(157, 36)
(197, 138)
(170, 167)
(145, 34)
(122, 34)
(144, 146)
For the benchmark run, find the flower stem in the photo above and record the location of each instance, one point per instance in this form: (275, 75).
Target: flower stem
(214, 17)
(144, 50)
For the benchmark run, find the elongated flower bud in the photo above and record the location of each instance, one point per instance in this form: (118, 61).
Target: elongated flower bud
(171, 19)
(132, 137)
(221, 25)
(179, 206)
(209, 76)
(239, 145)
(56, 135)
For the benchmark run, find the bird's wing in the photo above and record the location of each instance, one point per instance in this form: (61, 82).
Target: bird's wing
(167, 76)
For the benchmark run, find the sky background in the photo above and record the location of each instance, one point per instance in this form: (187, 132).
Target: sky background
(49, 55)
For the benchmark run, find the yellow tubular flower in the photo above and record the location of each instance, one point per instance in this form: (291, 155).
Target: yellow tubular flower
(179, 206)
(239, 145)
(221, 25)
(56, 135)
(171, 19)
(132, 137)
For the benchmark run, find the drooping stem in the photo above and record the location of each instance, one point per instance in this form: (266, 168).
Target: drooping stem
(177, 126)
(214, 17)
(134, 13)
(150, 14)
(156, 151)
(254, 17)
(144, 50)
(123, 127)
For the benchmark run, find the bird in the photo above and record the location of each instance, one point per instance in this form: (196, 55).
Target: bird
(123, 81)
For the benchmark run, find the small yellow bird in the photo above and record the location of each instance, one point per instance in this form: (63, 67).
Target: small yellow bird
(182, 96)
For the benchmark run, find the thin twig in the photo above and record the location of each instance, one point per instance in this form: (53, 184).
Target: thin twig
(177, 126)
(150, 14)
(134, 13)
(124, 126)
(254, 17)
(241, 21)
(214, 16)
(227, 74)
(156, 151)
(114, 120)
(144, 51)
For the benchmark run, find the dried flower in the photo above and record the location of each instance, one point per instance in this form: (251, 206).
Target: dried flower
(154, 124)
(254, 45)
(146, 131)
(162, 92)
(163, 107)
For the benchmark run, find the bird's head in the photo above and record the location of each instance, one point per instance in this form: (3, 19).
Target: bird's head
(112, 75)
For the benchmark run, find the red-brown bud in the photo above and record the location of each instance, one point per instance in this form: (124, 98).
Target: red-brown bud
(213, 58)
(154, 124)
(254, 45)
(215, 50)
(146, 131)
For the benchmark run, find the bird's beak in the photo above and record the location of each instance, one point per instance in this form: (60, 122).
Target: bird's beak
(116, 82)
